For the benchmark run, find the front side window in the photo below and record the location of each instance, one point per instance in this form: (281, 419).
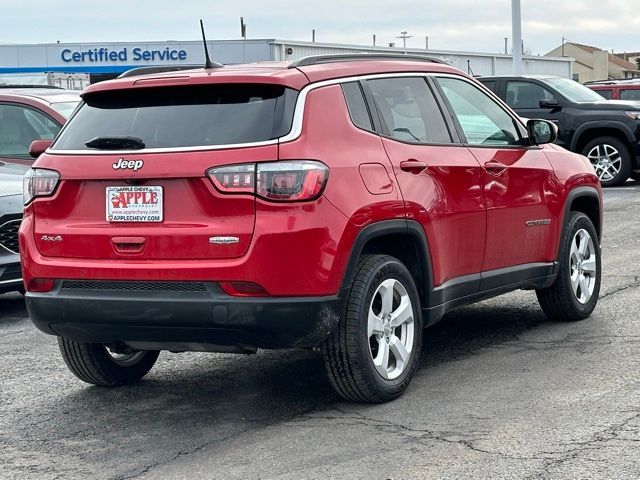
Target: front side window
(19, 126)
(482, 120)
(526, 95)
(171, 117)
(409, 110)
(630, 94)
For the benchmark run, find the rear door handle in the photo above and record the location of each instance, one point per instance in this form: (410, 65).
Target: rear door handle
(413, 166)
(495, 167)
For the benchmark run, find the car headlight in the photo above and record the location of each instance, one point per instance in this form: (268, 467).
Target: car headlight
(635, 115)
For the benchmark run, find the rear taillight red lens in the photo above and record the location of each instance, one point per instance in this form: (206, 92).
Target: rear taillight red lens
(39, 182)
(290, 181)
(234, 178)
(40, 285)
(243, 289)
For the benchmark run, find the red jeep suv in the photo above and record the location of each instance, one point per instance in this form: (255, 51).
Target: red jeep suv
(338, 202)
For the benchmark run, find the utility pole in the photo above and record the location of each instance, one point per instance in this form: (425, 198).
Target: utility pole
(516, 28)
(426, 43)
(313, 35)
(404, 36)
(243, 28)
(374, 39)
(563, 46)
(506, 45)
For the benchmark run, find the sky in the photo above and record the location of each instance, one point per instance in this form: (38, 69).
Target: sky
(471, 25)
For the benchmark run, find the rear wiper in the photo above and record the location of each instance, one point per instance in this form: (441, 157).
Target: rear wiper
(115, 143)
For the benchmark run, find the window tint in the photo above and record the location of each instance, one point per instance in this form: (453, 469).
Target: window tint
(605, 93)
(490, 84)
(183, 116)
(19, 126)
(409, 110)
(357, 106)
(526, 94)
(483, 121)
(629, 94)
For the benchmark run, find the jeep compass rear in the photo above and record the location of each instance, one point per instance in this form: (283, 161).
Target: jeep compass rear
(336, 202)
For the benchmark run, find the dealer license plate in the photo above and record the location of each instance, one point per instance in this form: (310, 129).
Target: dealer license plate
(134, 204)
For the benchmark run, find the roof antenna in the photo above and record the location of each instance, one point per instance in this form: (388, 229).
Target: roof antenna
(208, 63)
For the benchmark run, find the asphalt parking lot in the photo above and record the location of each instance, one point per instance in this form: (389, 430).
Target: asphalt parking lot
(501, 393)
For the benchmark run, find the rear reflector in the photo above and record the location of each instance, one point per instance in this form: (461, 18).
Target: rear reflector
(290, 181)
(243, 289)
(40, 285)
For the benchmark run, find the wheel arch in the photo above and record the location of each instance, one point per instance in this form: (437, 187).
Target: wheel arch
(587, 201)
(590, 131)
(403, 239)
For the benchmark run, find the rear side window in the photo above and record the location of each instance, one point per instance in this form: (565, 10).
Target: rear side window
(408, 110)
(607, 94)
(490, 84)
(357, 107)
(629, 94)
(169, 117)
(19, 126)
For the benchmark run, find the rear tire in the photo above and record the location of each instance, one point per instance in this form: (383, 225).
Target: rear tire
(95, 364)
(611, 159)
(374, 351)
(574, 294)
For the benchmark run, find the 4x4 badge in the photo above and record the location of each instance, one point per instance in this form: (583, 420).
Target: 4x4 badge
(123, 164)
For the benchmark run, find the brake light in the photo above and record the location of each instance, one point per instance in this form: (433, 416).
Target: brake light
(291, 181)
(234, 178)
(39, 182)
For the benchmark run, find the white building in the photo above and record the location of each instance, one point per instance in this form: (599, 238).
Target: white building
(108, 59)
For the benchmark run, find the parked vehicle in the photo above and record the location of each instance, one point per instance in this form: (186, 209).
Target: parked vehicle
(617, 90)
(10, 216)
(31, 113)
(339, 202)
(608, 133)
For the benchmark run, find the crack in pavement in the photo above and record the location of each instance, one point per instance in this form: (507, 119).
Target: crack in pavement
(622, 288)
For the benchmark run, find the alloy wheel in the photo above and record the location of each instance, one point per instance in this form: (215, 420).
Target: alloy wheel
(606, 160)
(582, 257)
(391, 329)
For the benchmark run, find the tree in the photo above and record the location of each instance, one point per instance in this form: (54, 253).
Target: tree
(638, 62)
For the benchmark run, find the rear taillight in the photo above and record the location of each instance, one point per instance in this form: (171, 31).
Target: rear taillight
(290, 181)
(39, 182)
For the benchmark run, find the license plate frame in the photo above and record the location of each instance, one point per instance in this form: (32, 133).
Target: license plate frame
(134, 204)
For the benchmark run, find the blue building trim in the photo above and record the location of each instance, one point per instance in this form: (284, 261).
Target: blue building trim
(70, 69)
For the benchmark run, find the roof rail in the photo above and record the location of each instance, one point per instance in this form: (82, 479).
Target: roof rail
(613, 81)
(134, 72)
(355, 57)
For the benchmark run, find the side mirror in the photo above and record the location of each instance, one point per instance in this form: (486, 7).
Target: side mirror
(551, 104)
(38, 147)
(541, 131)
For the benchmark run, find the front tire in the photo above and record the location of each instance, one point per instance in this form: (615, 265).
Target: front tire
(374, 351)
(94, 363)
(574, 294)
(611, 160)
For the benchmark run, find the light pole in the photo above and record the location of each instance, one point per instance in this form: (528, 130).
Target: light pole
(516, 34)
(404, 36)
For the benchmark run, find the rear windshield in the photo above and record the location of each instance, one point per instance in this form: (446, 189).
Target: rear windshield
(168, 117)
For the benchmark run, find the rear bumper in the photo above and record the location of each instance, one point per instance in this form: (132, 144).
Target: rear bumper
(180, 316)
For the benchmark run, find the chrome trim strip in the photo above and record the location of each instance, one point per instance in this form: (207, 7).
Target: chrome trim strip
(7, 282)
(296, 126)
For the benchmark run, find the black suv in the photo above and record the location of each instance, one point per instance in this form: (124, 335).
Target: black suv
(607, 132)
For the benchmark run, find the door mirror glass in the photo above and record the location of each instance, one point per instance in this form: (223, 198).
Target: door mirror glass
(38, 147)
(541, 131)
